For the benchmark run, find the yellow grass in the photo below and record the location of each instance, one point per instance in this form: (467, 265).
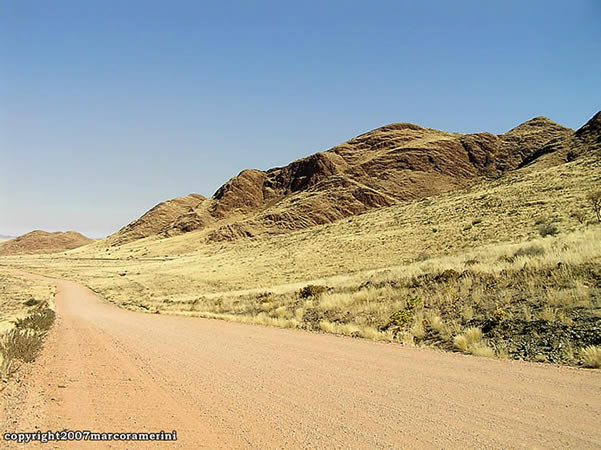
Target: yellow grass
(15, 291)
(373, 265)
(591, 356)
(29, 304)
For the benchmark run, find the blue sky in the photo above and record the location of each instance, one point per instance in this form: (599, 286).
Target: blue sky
(108, 107)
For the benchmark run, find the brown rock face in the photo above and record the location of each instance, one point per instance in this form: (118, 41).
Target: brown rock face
(305, 173)
(397, 162)
(241, 194)
(43, 242)
(160, 217)
(590, 133)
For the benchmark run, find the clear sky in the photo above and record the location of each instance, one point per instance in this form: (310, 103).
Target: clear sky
(108, 107)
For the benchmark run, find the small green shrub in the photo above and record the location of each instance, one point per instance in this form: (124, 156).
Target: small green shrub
(22, 345)
(401, 318)
(547, 229)
(39, 321)
(24, 341)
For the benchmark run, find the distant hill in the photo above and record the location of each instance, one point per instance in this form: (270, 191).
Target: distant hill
(4, 237)
(392, 164)
(43, 242)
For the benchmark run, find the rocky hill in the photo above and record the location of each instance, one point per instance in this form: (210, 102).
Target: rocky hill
(161, 217)
(391, 164)
(43, 242)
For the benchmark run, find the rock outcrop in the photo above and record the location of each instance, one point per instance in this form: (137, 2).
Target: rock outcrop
(391, 164)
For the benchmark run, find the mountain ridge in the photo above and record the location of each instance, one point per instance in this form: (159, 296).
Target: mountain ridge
(394, 163)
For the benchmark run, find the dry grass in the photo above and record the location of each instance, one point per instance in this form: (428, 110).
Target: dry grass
(23, 343)
(591, 356)
(352, 329)
(469, 337)
(471, 342)
(435, 322)
(385, 238)
(20, 296)
(26, 308)
(482, 350)
(367, 270)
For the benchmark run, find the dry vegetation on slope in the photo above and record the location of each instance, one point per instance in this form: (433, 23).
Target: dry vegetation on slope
(478, 243)
(437, 271)
(383, 167)
(18, 296)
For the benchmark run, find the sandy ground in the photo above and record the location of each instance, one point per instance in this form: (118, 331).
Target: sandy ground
(229, 385)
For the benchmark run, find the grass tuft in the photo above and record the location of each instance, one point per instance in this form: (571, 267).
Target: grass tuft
(591, 356)
(482, 350)
(471, 342)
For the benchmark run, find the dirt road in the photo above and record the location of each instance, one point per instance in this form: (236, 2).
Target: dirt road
(230, 385)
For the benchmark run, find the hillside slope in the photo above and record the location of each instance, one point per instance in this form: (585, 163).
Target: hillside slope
(517, 258)
(159, 217)
(44, 242)
(392, 164)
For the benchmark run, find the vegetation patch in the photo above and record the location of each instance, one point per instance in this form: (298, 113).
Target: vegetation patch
(535, 302)
(534, 298)
(22, 343)
(27, 316)
(548, 229)
(312, 291)
(591, 356)
(400, 319)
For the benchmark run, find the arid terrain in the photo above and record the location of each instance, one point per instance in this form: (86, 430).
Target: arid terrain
(509, 255)
(428, 247)
(20, 296)
(226, 385)
(43, 242)
(384, 167)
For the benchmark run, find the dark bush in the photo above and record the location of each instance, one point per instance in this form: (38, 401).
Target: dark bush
(312, 291)
(533, 250)
(547, 229)
(31, 302)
